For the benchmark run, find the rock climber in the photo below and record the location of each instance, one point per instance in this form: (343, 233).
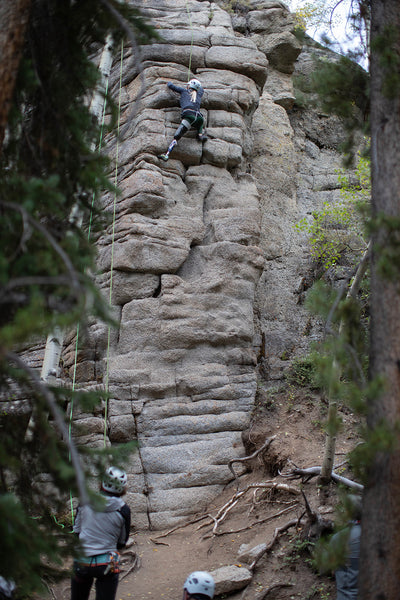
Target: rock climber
(199, 585)
(101, 534)
(190, 100)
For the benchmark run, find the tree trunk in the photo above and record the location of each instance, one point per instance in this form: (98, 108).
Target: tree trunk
(330, 438)
(14, 15)
(380, 543)
(325, 476)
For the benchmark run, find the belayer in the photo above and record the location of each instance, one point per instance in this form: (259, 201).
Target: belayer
(101, 534)
(190, 100)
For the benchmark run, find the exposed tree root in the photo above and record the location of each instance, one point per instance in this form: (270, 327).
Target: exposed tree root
(259, 522)
(310, 472)
(224, 510)
(135, 563)
(264, 593)
(186, 524)
(265, 446)
(159, 543)
(278, 531)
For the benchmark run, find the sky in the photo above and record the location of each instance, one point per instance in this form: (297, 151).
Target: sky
(340, 33)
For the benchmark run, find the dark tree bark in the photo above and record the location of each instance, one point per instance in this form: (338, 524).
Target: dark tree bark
(380, 544)
(14, 15)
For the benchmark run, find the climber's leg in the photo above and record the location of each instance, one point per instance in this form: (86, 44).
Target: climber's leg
(182, 129)
(199, 125)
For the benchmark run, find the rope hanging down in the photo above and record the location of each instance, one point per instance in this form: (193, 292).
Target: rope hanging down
(105, 74)
(191, 43)
(113, 240)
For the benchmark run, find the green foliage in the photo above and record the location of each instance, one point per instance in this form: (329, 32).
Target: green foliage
(236, 6)
(336, 230)
(342, 87)
(327, 244)
(310, 14)
(382, 438)
(302, 372)
(348, 333)
(299, 548)
(49, 165)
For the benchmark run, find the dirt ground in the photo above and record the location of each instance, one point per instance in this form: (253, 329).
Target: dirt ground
(164, 559)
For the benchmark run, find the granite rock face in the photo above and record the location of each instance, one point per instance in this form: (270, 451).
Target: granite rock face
(202, 261)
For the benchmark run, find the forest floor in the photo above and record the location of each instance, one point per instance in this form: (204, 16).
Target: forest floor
(295, 416)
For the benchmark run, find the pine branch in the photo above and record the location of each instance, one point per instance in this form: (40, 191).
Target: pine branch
(58, 418)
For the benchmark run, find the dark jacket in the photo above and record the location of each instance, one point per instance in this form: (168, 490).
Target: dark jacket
(347, 575)
(105, 531)
(185, 100)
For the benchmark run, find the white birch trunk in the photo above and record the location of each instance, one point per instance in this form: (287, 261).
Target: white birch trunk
(55, 339)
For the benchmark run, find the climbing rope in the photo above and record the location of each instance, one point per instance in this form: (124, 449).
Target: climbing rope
(191, 43)
(112, 263)
(113, 240)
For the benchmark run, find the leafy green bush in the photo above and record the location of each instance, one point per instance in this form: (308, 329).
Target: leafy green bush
(302, 372)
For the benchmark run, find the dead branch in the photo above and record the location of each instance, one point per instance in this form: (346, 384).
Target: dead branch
(50, 589)
(228, 506)
(271, 588)
(265, 446)
(136, 563)
(260, 522)
(316, 524)
(182, 526)
(274, 485)
(155, 541)
(27, 218)
(310, 472)
(48, 395)
(278, 531)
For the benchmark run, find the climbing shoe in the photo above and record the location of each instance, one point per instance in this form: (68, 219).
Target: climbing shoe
(164, 157)
(202, 137)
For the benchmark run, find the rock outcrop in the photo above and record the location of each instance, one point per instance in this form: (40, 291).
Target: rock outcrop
(202, 258)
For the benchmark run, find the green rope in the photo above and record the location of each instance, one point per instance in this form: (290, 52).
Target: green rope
(113, 239)
(77, 328)
(103, 119)
(191, 44)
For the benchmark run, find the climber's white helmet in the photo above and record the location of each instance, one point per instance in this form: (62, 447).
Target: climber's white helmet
(194, 84)
(200, 582)
(114, 480)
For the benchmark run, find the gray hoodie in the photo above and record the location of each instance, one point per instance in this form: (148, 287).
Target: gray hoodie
(105, 531)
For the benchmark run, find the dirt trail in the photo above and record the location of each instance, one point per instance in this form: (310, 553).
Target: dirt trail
(164, 562)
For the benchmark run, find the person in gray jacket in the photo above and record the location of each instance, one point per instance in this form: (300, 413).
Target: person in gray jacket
(189, 100)
(101, 534)
(349, 539)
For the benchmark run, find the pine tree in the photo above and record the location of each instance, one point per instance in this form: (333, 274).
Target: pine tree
(380, 544)
(49, 165)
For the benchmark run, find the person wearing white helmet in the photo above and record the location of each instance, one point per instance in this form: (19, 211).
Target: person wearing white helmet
(102, 532)
(199, 585)
(190, 100)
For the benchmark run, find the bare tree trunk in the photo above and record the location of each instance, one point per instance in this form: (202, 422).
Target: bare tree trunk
(330, 439)
(14, 15)
(330, 446)
(380, 540)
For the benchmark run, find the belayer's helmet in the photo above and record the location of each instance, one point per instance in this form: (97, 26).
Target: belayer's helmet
(194, 84)
(114, 480)
(200, 582)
